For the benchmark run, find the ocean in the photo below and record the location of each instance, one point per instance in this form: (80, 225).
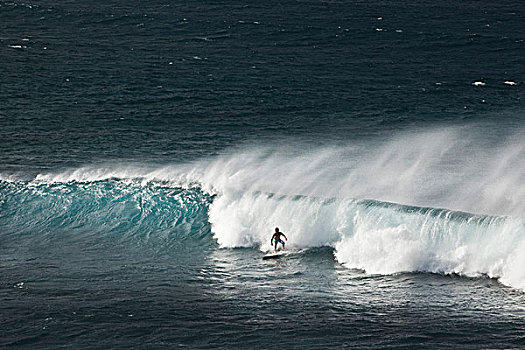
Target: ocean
(148, 150)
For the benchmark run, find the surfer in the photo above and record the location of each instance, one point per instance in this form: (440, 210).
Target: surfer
(276, 238)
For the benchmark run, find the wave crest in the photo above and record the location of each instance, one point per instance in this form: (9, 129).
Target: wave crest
(319, 197)
(104, 207)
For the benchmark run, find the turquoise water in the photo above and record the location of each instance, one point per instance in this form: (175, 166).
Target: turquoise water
(148, 151)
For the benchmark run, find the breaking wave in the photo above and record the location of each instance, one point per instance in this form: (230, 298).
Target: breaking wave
(380, 206)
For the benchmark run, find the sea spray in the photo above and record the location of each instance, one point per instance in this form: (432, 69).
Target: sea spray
(449, 167)
(340, 196)
(378, 237)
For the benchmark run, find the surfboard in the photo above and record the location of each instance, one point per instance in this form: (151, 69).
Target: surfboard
(274, 255)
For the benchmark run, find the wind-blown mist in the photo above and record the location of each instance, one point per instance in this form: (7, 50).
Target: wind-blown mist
(377, 204)
(446, 168)
(318, 199)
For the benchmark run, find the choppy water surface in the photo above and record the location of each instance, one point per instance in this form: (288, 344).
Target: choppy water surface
(147, 152)
(225, 298)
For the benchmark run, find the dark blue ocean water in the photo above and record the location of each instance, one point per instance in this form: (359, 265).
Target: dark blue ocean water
(149, 149)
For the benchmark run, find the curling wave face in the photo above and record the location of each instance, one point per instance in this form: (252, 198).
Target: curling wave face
(123, 208)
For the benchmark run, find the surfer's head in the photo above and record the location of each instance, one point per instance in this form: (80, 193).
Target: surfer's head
(277, 229)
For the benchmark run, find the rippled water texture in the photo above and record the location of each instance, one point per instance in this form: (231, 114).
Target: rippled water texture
(149, 149)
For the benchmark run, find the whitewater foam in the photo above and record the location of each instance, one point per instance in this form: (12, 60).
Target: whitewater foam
(344, 197)
(378, 237)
